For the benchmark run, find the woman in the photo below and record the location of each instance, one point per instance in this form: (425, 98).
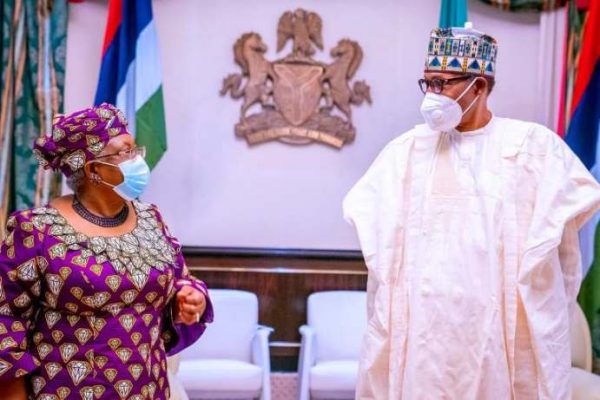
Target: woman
(94, 291)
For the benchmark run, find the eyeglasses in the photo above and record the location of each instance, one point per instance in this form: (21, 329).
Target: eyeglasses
(437, 84)
(125, 155)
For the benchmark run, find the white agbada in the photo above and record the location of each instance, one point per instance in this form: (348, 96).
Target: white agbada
(471, 244)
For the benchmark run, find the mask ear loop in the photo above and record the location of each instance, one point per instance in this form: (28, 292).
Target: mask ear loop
(464, 92)
(97, 179)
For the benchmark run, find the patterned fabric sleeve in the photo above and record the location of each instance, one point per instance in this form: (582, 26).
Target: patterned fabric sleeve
(188, 334)
(178, 336)
(20, 286)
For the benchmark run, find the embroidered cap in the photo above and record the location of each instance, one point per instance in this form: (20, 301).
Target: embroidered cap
(461, 50)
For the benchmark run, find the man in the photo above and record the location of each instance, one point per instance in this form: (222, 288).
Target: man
(468, 225)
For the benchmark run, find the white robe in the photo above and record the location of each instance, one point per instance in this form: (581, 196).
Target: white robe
(471, 244)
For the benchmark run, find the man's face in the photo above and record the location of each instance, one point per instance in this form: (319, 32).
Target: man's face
(456, 86)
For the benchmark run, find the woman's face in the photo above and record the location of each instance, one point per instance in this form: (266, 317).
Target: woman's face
(114, 153)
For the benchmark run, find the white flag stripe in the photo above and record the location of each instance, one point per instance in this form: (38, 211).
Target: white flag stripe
(147, 74)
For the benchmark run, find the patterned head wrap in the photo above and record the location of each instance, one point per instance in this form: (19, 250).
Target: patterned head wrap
(79, 137)
(462, 50)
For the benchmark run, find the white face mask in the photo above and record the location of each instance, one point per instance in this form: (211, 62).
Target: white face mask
(443, 113)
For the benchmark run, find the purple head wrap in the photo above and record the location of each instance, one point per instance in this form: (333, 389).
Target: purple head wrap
(79, 137)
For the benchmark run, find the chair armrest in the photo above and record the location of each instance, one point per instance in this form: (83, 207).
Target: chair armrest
(260, 345)
(261, 357)
(177, 390)
(585, 385)
(306, 361)
(173, 363)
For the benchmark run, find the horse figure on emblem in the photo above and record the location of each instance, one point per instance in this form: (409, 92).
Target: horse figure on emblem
(249, 53)
(348, 55)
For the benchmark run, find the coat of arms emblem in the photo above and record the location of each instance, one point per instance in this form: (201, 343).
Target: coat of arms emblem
(300, 99)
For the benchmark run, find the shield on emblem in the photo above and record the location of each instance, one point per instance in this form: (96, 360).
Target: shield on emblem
(297, 90)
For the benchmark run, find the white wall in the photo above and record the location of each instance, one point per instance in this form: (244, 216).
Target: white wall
(216, 191)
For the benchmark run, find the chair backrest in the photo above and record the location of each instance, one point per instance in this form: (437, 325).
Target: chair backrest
(230, 335)
(581, 341)
(339, 319)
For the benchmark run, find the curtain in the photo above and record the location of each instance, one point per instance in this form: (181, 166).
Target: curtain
(33, 34)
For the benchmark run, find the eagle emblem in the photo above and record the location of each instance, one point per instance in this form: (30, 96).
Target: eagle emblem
(300, 99)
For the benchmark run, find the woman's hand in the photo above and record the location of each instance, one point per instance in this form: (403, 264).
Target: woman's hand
(189, 305)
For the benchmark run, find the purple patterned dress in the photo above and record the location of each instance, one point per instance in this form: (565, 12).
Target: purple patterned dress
(90, 317)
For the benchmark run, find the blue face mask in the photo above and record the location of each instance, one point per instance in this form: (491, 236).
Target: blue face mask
(136, 176)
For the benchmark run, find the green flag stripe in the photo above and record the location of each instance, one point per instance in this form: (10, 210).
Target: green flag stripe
(150, 129)
(589, 297)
